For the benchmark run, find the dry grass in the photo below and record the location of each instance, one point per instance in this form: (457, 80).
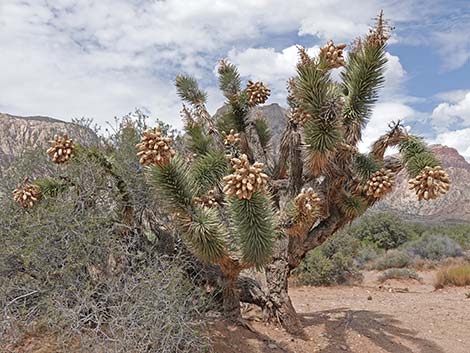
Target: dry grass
(453, 276)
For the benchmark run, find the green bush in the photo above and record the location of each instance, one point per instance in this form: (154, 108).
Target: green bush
(434, 247)
(330, 264)
(399, 273)
(393, 259)
(383, 231)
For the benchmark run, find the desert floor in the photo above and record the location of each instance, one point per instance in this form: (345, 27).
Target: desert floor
(396, 316)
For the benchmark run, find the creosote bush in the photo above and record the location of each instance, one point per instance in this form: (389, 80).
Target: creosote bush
(68, 270)
(393, 259)
(434, 247)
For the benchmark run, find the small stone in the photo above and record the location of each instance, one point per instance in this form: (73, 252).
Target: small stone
(272, 346)
(369, 297)
(343, 347)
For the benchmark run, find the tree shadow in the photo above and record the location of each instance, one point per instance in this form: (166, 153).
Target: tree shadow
(238, 339)
(381, 329)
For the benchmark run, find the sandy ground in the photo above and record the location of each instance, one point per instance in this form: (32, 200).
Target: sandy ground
(397, 316)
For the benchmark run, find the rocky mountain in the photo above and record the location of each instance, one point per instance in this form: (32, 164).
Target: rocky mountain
(453, 207)
(18, 133)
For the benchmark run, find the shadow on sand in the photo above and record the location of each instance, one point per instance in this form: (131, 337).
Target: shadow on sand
(382, 330)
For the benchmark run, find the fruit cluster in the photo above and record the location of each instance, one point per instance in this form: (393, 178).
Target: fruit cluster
(61, 149)
(154, 148)
(300, 116)
(257, 93)
(430, 183)
(380, 183)
(333, 55)
(27, 194)
(232, 138)
(245, 179)
(207, 200)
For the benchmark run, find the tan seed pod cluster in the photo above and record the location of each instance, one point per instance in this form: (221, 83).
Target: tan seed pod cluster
(380, 33)
(304, 58)
(208, 200)
(27, 194)
(61, 150)
(232, 138)
(246, 178)
(154, 148)
(380, 183)
(430, 183)
(307, 203)
(301, 212)
(333, 55)
(257, 92)
(300, 116)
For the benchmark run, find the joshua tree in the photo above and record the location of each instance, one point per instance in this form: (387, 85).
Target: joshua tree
(238, 205)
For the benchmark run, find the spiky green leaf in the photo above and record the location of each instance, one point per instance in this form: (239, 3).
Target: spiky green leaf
(173, 184)
(311, 88)
(209, 169)
(189, 91)
(263, 131)
(229, 79)
(322, 136)
(204, 234)
(365, 165)
(353, 206)
(253, 223)
(198, 141)
(362, 78)
(51, 187)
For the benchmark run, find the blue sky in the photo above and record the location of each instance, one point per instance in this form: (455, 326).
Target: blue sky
(104, 58)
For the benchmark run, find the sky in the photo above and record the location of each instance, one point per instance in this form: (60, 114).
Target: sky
(100, 59)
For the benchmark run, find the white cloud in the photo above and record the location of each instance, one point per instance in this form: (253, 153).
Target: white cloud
(69, 58)
(269, 66)
(457, 111)
(459, 139)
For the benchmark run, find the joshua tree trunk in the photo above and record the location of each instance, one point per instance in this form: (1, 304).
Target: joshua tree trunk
(278, 306)
(231, 298)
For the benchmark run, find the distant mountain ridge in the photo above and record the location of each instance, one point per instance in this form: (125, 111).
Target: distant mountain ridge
(18, 133)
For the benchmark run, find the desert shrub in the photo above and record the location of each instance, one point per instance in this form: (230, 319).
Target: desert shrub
(399, 273)
(383, 231)
(366, 254)
(393, 259)
(434, 247)
(453, 276)
(330, 264)
(66, 268)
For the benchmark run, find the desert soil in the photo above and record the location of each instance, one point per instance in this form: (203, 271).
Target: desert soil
(396, 317)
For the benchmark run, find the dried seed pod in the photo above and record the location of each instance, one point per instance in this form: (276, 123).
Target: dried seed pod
(233, 138)
(246, 179)
(333, 55)
(208, 200)
(300, 116)
(257, 92)
(380, 183)
(61, 150)
(380, 33)
(26, 194)
(301, 212)
(430, 183)
(154, 148)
